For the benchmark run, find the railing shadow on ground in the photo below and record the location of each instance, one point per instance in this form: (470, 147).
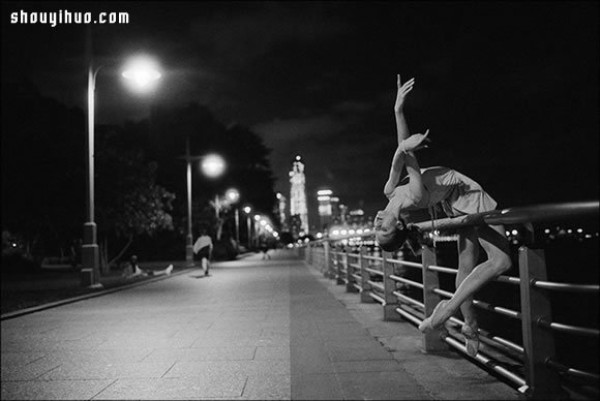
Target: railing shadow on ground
(529, 363)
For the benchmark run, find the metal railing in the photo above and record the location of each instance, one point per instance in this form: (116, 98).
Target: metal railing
(374, 277)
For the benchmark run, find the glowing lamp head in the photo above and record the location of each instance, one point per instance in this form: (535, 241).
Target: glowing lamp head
(213, 165)
(142, 74)
(232, 195)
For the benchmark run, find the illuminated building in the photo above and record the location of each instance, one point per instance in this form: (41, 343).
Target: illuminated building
(281, 206)
(325, 211)
(298, 205)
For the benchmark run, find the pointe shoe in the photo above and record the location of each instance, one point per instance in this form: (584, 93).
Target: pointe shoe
(471, 339)
(434, 321)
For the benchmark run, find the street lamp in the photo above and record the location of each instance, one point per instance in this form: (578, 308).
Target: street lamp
(248, 210)
(212, 166)
(233, 196)
(90, 257)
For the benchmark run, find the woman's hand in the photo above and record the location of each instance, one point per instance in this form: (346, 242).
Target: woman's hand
(415, 142)
(403, 90)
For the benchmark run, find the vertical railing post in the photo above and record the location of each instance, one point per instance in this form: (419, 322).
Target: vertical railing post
(364, 278)
(339, 277)
(325, 266)
(431, 341)
(350, 279)
(538, 342)
(389, 286)
(332, 262)
(309, 256)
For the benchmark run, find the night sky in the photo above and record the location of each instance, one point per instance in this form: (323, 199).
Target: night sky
(509, 90)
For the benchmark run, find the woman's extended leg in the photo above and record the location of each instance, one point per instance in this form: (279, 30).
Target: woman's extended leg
(495, 245)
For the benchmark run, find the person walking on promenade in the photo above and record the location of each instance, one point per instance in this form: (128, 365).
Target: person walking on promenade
(203, 250)
(457, 195)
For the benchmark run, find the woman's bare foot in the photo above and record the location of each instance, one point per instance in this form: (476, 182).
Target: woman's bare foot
(470, 332)
(436, 320)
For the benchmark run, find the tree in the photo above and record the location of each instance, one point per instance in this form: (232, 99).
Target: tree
(129, 202)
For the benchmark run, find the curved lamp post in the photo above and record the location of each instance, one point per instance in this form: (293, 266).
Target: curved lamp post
(143, 74)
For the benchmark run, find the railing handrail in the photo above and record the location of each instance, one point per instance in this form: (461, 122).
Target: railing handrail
(514, 215)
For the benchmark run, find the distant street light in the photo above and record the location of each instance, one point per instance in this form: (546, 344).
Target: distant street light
(233, 196)
(248, 210)
(212, 165)
(90, 257)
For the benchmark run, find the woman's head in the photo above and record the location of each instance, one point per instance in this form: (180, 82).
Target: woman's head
(390, 231)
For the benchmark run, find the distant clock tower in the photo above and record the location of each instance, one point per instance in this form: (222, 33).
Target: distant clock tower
(298, 204)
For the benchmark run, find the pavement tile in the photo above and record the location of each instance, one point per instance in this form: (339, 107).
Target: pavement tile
(30, 371)
(272, 353)
(367, 366)
(14, 359)
(25, 345)
(227, 353)
(225, 386)
(77, 371)
(57, 390)
(84, 357)
(271, 387)
(316, 387)
(381, 386)
(214, 341)
(357, 351)
(245, 368)
(132, 342)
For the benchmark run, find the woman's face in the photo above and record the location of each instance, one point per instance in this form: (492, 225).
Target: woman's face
(385, 225)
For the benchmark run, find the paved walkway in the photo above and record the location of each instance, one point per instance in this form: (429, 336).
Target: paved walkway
(252, 330)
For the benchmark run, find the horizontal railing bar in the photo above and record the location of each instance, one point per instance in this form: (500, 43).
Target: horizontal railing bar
(443, 293)
(405, 263)
(357, 276)
(519, 381)
(408, 316)
(570, 371)
(377, 298)
(357, 286)
(443, 269)
(528, 214)
(374, 271)
(568, 328)
(375, 284)
(406, 281)
(497, 309)
(376, 258)
(483, 305)
(354, 265)
(508, 344)
(548, 285)
(508, 280)
(408, 299)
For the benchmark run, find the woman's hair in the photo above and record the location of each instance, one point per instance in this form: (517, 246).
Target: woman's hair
(401, 234)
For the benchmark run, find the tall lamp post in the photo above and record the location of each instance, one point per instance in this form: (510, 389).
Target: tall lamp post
(248, 210)
(233, 196)
(212, 166)
(142, 73)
